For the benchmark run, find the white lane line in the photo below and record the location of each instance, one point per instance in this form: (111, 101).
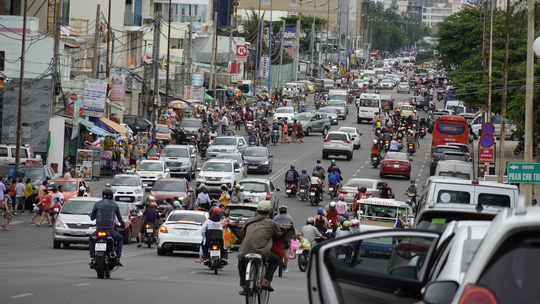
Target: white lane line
(357, 171)
(421, 170)
(423, 166)
(82, 284)
(193, 272)
(13, 223)
(163, 277)
(22, 295)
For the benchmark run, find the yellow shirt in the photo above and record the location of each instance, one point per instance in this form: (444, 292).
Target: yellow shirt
(28, 189)
(223, 199)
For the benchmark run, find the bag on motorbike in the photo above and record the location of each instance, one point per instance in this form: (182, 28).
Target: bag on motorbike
(305, 243)
(295, 244)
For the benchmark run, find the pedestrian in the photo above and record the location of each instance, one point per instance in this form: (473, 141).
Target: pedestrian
(285, 132)
(20, 197)
(2, 195)
(8, 213)
(29, 193)
(45, 203)
(60, 195)
(154, 132)
(224, 124)
(295, 130)
(300, 133)
(237, 122)
(41, 194)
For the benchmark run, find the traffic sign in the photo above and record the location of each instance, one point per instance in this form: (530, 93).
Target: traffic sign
(486, 141)
(488, 128)
(523, 172)
(486, 156)
(241, 52)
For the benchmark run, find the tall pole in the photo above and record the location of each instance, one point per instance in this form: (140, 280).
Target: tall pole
(95, 60)
(327, 37)
(168, 55)
(500, 166)
(280, 77)
(188, 73)
(230, 49)
(347, 40)
(270, 51)
(215, 56)
(297, 49)
(490, 65)
(339, 37)
(313, 38)
(108, 40)
(21, 87)
(259, 48)
(155, 62)
(56, 60)
(484, 37)
(529, 94)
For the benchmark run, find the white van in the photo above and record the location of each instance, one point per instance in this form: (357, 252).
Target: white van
(456, 105)
(368, 105)
(455, 168)
(454, 191)
(9, 151)
(342, 95)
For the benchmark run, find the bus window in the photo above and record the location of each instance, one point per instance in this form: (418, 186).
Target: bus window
(450, 129)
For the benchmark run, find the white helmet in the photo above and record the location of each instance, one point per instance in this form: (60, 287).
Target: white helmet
(333, 205)
(375, 142)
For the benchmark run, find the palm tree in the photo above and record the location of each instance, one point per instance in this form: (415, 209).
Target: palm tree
(250, 27)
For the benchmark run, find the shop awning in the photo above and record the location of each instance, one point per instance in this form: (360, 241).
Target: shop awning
(113, 125)
(93, 128)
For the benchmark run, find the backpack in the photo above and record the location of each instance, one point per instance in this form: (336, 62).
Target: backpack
(290, 176)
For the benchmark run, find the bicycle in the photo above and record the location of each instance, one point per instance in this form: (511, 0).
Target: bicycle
(255, 271)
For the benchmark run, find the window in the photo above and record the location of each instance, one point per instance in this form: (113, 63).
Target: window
(294, 2)
(267, 2)
(451, 129)
(3, 152)
(450, 196)
(488, 199)
(24, 152)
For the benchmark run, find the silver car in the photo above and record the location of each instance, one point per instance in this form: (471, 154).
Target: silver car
(341, 106)
(227, 144)
(181, 160)
(314, 122)
(73, 225)
(260, 189)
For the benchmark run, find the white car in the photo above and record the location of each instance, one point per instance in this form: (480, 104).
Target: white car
(289, 88)
(387, 84)
(226, 144)
(181, 231)
(150, 170)
(73, 225)
(403, 87)
(284, 113)
(355, 136)
(337, 143)
(219, 172)
(350, 188)
(127, 188)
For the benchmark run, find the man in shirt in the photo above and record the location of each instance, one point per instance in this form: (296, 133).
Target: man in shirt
(29, 193)
(203, 199)
(20, 196)
(224, 123)
(283, 219)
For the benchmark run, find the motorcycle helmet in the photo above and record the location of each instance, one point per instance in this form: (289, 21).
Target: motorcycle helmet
(282, 209)
(333, 162)
(320, 210)
(332, 204)
(241, 188)
(292, 166)
(107, 193)
(408, 201)
(304, 171)
(214, 210)
(153, 205)
(237, 186)
(310, 220)
(318, 161)
(413, 182)
(318, 167)
(341, 197)
(176, 204)
(346, 224)
(375, 142)
(385, 183)
(355, 223)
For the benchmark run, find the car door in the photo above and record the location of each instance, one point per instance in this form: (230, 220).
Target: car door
(383, 267)
(241, 145)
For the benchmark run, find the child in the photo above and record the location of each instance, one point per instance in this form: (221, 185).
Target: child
(8, 213)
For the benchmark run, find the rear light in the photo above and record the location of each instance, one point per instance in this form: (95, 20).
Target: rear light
(163, 229)
(102, 234)
(215, 247)
(327, 140)
(343, 192)
(268, 196)
(347, 141)
(474, 182)
(474, 294)
(148, 226)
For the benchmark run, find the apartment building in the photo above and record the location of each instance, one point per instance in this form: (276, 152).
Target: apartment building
(438, 12)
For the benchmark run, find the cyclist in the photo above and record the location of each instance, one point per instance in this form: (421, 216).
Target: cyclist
(104, 212)
(385, 191)
(150, 216)
(258, 233)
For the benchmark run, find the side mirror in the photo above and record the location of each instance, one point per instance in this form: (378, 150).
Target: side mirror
(270, 156)
(108, 185)
(198, 169)
(439, 292)
(360, 134)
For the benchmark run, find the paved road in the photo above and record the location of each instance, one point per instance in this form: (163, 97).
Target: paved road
(33, 272)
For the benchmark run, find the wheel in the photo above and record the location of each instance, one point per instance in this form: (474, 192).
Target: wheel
(312, 201)
(107, 273)
(127, 240)
(161, 251)
(264, 296)
(229, 133)
(302, 262)
(307, 131)
(189, 177)
(324, 155)
(216, 267)
(100, 267)
(517, 151)
(251, 270)
(358, 120)
(381, 175)
(57, 244)
(408, 177)
(325, 131)
(149, 244)
(349, 156)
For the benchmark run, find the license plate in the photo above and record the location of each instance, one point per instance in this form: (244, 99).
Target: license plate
(184, 232)
(288, 191)
(150, 230)
(125, 199)
(396, 166)
(253, 167)
(312, 193)
(145, 184)
(77, 232)
(341, 257)
(329, 231)
(299, 251)
(331, 189)
(302, 191)
(101, 246)
(214, 253)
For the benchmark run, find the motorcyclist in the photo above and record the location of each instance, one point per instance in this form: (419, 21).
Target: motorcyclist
(318, 166)
(355, 226)
(253, 140)
(292, 176)
(394, 146)
(304, 179)
(334, 178)
(375, 149)
(310, 232)
(361, 194)
(320, 221)
(236, 195)
(385, 191)
(331, 212)
(104, 213)
(150, 216)
(423, 122)
(212, 232)
(341, 207)
(315, 182)
(412, 191)
(333, 164)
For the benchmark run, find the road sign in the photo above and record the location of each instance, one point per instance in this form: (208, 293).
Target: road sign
(523, 172)
(486, 141)
(486, 156)
(241, 52)
(265, 66)
(488, 128)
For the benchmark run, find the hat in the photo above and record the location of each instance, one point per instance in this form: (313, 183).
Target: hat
(264, 206)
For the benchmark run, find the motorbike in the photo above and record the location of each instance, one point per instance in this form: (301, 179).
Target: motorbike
(148, 237)
(313, 197)
(519, 147)
(303, 193)
(264, 138)
(377, 132)
(375, 160)
(253, 141)
(410, 148)
(422, 132)
(332, 191)
(400, 144)
(291, 189)
(105, 258)
(386, 145)
(377, 90)
(317, 104)
(303, 257)
(303, 108)
(275, 136)
(215, 262)
(249, 126)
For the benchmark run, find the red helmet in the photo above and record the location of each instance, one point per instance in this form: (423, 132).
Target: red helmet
(153, 205)
(214, 210)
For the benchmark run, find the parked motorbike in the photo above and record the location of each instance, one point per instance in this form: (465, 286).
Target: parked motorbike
(148, 237)
(275, 137)
(215, 262)
(302, 192)
(105, 257)
(410, 148)
(291, 189)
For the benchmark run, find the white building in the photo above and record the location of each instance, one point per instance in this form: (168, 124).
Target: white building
(433, 15)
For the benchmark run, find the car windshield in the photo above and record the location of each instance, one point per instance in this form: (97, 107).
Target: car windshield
(35, 174)
(123, 208)
(175, 152)
(355, 183)
(452, 156)
(285, 110)
(396, 156)
(327, 110)
(150, 166)
(255, 152)
(437, 220)
(444, 149)
(126, 181)
(77, 207)
(227, 141)
(342, 97)
(191, 123)
(169, 186)
(303, 117)
(186, 218)
(237, 211)
(254, 187)
(162, 129)
(336, 136)
(68, 185)
(217, 167)
(235, 157)
(348, 130)
(368, 102)
(335, 103)
(406, 108)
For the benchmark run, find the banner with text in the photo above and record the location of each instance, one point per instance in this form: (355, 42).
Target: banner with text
(95, 92)
(265, 66)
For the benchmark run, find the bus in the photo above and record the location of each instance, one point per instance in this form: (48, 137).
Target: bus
(368, 105)
(449, 129)
(247, 87)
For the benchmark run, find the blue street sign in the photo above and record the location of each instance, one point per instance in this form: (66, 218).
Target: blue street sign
(488, 128)
(486, 141)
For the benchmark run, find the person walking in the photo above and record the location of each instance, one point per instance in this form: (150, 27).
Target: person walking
(41, 194)
(8, 213)
(20, 197)
(29, 193)
(224, 123)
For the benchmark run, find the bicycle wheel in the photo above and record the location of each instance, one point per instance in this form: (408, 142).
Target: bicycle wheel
(229, 132)
(251, 272)
(264, 296)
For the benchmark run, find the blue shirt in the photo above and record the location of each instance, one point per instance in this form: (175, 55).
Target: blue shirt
(104, 212)
(333, 178)
(394, 145)
(150, 215)
(203, 198)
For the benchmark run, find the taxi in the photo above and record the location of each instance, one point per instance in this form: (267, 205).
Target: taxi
(71, 186)
(382, 213)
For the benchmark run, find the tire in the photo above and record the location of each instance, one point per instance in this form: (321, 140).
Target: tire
(107, 273)
(381, 175)
(57, 244)
(149, 242)
(264, 296)
(349, 156)
(312, 201)
(129, 237)
(229, 133)
(215, 267)
(100, 267)
(517, 151)
(189, 177)
(358, 120)
(307, 131)
(408, 177)
(324, 155)
(250, 285)
(324, 132)
(161, 251)
(302, 262)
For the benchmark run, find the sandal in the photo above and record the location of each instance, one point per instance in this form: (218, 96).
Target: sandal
(37, 224)
(198, 261)
(140, 245)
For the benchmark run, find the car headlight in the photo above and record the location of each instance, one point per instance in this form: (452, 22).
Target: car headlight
(138, 191)
(59, 223)
(265, 163)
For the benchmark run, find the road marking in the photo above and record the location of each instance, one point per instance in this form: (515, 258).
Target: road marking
(421, 170)
(132, 254)
(423, 166)
(357, 171)
(82, 284)
(163, 277)
(13, 223)
(22, 295)
(193, 272)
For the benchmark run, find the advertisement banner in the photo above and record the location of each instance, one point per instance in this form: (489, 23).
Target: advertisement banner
(290, 34)
(198, 93)
(118, 86)
(265, 66)
(197, 80)
(95, 92)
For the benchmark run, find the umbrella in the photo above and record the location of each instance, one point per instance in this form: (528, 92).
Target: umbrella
(208, 98)
(178, 104)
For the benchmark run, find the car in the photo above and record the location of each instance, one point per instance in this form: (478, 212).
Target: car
(387, 84)
(406, 110)
(150, 170)
(137, 123)
(291, 86)
(341, 106)
(396, 163)
(355, 136)
(133, 218)
(337, 143)
(455, 168)
(218, 172)
(458, 156)
(127, 188)
(73, 225)
(403, 87)
(181, 160)
(350, 188)
(181, 231)
(227, 144)
(71, 186)
(37, 173)
(438, 216)
(239, 214)
(258, 159)
(314, 122)
(260, 189)
(163, 134)
(324, 85)
(332, 113)
(165, 188)
(190, 127)
(310, 86)
(284, 113)
(437, 154)
(387, 99)
(476, 126)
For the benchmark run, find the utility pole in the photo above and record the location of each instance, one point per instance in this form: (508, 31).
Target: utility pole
(95, 60)
(55, 71)
(529, 94)
(230, 50)
(188, 75)
(339, 37)
(280, 77)
(490, 65)
(155, 63)
(269, 52)
(312, 38)
(168, 55)
(327, 37)
(296, 49)
(500, 166)
(484, 37)
(108, 39)
(21, 87)
(215, 59)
